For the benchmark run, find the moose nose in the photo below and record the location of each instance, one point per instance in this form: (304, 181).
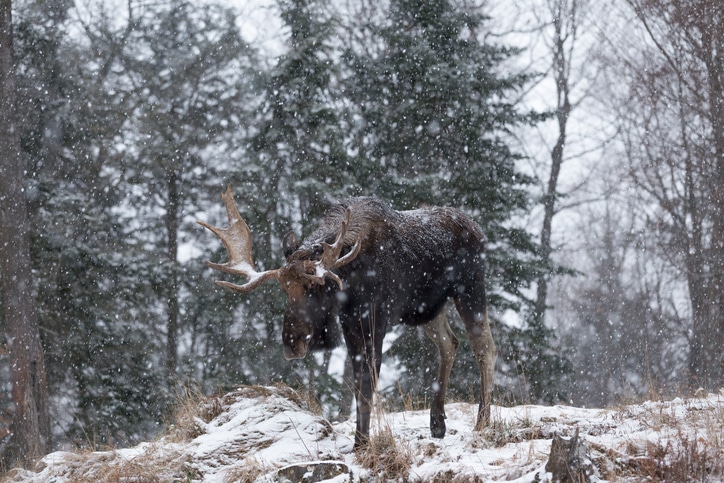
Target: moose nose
(296, 347)
(296, 350)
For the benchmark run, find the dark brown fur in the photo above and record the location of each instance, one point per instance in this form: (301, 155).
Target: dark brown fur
(410, 263)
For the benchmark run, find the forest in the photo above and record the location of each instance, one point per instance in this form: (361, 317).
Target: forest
(586, 138)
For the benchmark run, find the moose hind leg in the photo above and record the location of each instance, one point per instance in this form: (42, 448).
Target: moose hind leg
(475, 316)
(439, 331)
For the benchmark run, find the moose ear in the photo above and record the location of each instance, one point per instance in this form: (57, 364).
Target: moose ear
(290, 244)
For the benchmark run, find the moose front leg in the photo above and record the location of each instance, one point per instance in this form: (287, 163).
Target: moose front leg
(364, 354)
(439, 331)
(363, 392)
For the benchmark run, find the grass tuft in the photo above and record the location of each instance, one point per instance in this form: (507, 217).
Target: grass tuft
(386, 457)
(246, 472)
(192, 407)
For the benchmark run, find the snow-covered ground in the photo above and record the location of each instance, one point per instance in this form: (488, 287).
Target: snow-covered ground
(266, 434)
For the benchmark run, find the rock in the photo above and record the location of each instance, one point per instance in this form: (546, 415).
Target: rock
(569, 461)
(312, 472)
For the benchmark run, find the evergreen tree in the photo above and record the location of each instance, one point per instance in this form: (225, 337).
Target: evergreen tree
(98, 354)
(106, 125)
(435, 112)
(434, 108)
(184, 66)
(296, 162)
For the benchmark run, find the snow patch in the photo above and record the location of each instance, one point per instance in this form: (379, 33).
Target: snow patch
(262, 430)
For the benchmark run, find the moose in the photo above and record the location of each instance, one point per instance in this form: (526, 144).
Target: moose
(385, 267)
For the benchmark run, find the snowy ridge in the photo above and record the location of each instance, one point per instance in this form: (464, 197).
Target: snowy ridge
(251, 434)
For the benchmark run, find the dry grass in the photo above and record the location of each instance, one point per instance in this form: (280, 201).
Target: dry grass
(682, 459)
(685, 459)
(246, 472)
(304, 398)
(386, 457)
(111, 467)
(501, 432)
(687, 456)
(410, 401)
(690, 448)
(301, 397)
(144, 470)
(192, 405)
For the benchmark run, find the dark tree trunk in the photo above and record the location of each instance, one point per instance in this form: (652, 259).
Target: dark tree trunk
(713, 44)
(563, 111)
(31, 425)
(172, 228)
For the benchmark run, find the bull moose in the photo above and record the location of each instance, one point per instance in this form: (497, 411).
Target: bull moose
(387, 267)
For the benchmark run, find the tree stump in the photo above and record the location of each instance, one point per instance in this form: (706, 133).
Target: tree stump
(569, 461)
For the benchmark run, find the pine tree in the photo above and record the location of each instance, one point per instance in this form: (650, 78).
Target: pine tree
(295, 163)
(97, 359)
(184, 65)
(434, 108)
(101, 147)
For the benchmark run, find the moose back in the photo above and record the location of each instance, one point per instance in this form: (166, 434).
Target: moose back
(385, 267)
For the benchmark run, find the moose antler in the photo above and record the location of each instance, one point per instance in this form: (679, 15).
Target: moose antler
(331, 255)
(237, 240)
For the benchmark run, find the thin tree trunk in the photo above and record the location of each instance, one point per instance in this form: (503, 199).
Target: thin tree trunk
(172, 228)
(563, 111)
(695, 260)
(713, 39)
(31, 424)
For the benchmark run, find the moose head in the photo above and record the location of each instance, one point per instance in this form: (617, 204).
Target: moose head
(302, 279)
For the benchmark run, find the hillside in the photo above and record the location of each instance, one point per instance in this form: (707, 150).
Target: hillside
(262, 434)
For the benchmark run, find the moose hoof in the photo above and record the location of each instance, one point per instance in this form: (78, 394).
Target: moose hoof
(437, 426)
